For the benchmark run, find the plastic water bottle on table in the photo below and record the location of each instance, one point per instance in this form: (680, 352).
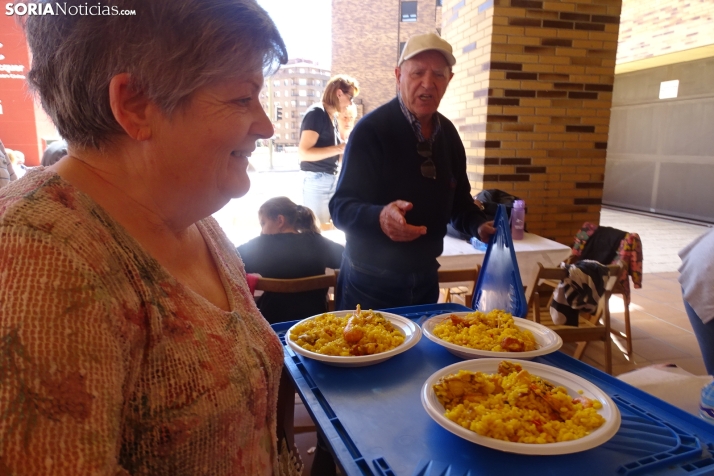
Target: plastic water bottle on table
(706, 404)
(518, 219)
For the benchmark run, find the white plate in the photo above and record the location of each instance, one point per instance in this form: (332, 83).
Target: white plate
(557, 377)
(547, 340)
(410, 330)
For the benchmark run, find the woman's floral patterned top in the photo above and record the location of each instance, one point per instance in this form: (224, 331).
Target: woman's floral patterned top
(110, 366)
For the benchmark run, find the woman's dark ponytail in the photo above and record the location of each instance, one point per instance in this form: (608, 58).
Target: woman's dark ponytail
(301, 218)
(305, 220)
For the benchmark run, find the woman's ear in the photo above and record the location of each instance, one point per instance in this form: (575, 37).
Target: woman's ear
(131, 108)
(280, 221)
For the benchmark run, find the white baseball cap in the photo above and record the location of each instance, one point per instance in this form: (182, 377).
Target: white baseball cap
(429, 41)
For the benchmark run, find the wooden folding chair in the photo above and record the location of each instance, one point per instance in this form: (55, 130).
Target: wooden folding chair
(462, 281)
(589, 326)
(287, 399)
(627, 335)
(631, 246)
(298, 285)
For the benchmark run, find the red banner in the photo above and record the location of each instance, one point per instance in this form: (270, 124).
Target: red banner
(18, 127)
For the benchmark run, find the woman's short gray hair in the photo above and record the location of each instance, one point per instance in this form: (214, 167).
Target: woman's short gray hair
(170, 48)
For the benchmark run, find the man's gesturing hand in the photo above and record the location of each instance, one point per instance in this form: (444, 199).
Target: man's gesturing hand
(485, 231)
(395, 226)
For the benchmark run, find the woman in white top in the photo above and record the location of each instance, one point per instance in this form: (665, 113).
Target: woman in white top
(697, 280)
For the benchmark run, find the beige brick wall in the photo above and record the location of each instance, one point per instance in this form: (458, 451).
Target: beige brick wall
(657, 27)
(470, 33)
(365, 43)
(532, 101)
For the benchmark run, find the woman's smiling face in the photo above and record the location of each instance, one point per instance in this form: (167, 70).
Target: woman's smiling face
(205, 145)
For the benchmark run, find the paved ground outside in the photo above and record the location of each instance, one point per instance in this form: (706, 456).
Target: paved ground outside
(662, 238)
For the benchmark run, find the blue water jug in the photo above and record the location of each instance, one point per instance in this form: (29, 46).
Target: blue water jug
(706, 404)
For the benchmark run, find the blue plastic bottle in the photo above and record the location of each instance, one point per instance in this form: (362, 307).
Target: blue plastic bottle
(478, 244)
(706, 404)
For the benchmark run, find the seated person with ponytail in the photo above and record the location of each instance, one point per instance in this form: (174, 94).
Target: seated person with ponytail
(290, 246)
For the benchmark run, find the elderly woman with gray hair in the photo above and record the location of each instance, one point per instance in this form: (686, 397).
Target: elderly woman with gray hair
(130, 341)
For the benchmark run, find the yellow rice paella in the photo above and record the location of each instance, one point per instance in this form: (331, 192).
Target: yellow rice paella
(360, 333)
(514, 405)
(495, 332)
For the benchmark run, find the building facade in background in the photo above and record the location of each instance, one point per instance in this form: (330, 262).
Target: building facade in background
(367, 38)
(530, 96)
(288, 93)
(535, 85)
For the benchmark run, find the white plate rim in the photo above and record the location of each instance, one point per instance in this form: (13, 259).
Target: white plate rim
(469, 353)
(402, 323)
(562, 377)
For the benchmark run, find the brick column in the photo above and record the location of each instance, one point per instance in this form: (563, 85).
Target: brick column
(531, 97)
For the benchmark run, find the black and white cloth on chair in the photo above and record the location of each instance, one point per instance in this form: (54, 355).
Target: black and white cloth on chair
(579, 292)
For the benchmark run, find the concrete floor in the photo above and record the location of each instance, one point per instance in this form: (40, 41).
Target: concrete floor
(661, 238)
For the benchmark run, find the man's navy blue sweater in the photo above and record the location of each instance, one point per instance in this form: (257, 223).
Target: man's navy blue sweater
(381, 165)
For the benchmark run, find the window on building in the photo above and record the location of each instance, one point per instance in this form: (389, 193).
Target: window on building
(302, 81)
(302, 70)
(302, 92)
(276, 82)
(286, 82)
(303, 103)
(287, 125)
(438, 3)
(276, 94)
(409, 11)
(293, 103)
(277, 125)
(293, 136)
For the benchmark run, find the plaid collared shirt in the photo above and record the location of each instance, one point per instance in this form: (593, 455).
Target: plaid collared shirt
(416, 125)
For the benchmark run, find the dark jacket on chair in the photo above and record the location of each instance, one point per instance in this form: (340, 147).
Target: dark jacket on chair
(290, 256)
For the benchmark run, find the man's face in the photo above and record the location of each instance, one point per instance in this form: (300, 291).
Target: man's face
(422, 82)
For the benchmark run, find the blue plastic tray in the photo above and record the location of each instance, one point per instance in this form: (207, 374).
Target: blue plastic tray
(499, 283)
(375, 424)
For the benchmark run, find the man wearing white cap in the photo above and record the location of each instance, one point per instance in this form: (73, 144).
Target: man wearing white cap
(403, 179)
